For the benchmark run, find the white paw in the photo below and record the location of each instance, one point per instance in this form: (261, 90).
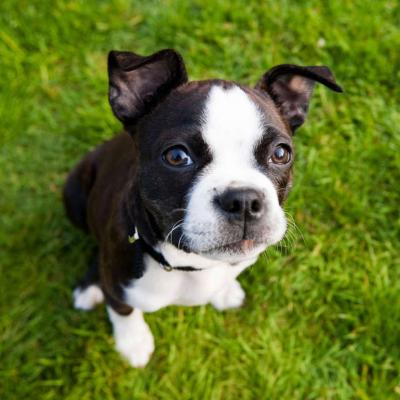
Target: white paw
(133, 338)
(87, 298)
(137, 347)
(230, 297)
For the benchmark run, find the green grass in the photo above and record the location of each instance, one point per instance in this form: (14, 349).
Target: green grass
(322, 317)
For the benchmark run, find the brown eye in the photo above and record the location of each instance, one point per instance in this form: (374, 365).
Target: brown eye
(281, 155)
(177, 157)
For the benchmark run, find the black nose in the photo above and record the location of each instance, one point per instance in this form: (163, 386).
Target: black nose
(242, 203)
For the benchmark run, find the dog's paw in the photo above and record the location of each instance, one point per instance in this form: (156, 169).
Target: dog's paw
(87, 298)
(137, 347)
(230, 297)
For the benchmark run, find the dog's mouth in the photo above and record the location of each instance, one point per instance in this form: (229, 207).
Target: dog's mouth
(243, 246)
(230, 242)
(239, 243)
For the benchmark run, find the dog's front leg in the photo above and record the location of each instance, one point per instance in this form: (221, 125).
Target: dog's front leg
(133, 338)
(121, 262)
(230, 296)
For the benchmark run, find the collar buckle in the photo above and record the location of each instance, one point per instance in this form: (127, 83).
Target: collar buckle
(132, 238)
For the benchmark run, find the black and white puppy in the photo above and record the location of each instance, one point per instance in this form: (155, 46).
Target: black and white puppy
(190, 193)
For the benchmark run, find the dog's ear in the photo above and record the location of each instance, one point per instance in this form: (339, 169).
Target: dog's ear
(291, 86)
(137, 83)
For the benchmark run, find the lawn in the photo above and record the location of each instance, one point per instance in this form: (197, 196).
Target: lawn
(322, 315)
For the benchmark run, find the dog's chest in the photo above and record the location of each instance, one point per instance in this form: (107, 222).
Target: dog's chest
(159, 288)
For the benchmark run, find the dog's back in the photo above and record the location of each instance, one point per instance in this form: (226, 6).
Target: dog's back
(76, 192)
(92, 172)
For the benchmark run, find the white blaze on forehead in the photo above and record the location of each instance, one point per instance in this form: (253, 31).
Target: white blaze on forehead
(232, 124)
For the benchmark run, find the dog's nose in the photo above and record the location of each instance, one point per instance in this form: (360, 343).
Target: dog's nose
(242, 203)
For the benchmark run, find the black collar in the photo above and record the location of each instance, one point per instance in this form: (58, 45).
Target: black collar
(146, 248)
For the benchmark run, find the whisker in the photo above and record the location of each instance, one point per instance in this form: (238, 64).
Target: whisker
(177, 224)
(294, 227)
(286, 244)
(179, 241)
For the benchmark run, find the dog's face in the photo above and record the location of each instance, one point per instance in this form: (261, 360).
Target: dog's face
(215, 157)
(215, 165)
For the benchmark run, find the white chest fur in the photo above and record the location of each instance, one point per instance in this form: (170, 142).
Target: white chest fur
(159, 288)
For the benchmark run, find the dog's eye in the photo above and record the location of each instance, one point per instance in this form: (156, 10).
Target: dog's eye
(281, 154)
(177, 157)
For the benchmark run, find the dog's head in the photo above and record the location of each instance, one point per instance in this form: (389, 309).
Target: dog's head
(215, 157)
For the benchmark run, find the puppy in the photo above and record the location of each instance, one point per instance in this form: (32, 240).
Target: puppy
(190, 193)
